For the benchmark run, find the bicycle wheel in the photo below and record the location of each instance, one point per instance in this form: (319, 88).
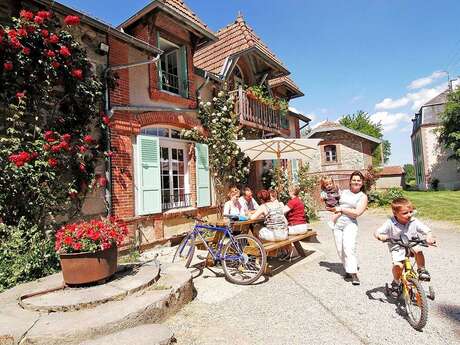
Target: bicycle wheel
(243, 259)
(185, 250)
(416, 304)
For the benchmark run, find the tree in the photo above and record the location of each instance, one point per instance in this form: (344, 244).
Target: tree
(409, 173)
(361, 122)
(450, 131)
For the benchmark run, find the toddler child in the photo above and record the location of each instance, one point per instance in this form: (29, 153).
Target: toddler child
(331, 196)
(404, 224)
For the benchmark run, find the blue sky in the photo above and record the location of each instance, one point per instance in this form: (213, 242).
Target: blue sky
(386, 57)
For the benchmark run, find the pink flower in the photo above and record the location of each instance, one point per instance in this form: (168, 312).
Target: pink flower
(83, 149)
(27, 15)
(19, 95)
(8, 66)
(64, 51)
(102, 181)
(77, 73)
(72, 20)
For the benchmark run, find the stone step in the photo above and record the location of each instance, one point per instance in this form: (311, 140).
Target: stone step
(150, 305)
(153, 334)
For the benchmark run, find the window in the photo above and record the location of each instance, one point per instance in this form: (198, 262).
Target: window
(330, 152)
(173, 68)
(175, 189)
(238, 77)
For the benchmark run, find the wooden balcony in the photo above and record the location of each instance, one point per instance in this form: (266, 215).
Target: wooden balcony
(256, 114)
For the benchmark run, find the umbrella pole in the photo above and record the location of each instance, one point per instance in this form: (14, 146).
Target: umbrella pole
(278, 172)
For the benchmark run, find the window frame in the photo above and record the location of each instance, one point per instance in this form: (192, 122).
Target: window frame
(333, 153)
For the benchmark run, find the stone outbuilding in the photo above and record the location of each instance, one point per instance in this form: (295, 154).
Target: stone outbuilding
(391, 177)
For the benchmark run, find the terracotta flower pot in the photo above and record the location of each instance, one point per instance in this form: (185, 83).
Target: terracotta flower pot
(84, 268)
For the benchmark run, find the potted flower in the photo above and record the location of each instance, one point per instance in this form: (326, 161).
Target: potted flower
(88, 250)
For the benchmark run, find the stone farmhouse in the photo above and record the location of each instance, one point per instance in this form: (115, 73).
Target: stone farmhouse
(166, 57)
(342, 151)
(430, 159)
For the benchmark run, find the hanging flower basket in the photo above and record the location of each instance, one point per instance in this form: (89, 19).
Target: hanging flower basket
(88, 250)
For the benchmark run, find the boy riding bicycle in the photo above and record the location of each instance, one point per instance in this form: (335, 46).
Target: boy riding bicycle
(402, 224)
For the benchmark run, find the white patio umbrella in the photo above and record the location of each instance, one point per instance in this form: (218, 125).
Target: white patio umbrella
(278, 148)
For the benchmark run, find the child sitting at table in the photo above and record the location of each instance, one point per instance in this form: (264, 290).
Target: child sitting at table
(233, 207)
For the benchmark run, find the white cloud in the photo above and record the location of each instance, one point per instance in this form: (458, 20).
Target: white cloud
(390, 121)
(389, 103)
(312, 116)
(421, 82)
(422, 96)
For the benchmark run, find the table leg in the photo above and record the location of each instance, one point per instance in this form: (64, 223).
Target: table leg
(299, 249)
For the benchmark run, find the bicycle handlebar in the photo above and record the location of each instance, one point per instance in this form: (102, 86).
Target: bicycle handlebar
(408, 243)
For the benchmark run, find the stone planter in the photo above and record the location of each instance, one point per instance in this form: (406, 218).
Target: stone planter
(84, 268)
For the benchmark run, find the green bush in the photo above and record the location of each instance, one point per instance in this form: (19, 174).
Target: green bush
(26, 253)
(384, 198)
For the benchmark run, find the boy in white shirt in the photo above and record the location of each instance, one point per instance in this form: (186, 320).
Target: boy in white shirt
(403, 224)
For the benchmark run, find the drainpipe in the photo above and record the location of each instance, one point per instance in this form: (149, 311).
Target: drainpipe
(207, 78)
(109, 113)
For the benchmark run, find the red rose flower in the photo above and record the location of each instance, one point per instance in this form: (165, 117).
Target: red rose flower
(15, 43)
(22, 32)
(38, 20)
(73, 194)
(88, 139)
(102, 181)
(106, 119)
(77, 73)
(64, 51)
(27, 15)
(64, 145)
(66, 137)
(55, 148)
(52, 162)
(72, 20)
(46, 147)
(54, 39)
(30, 29)
(45, 33)
(68, 240)
(26, 51)
(44, 14)
(19, 95)
(8, 66)
(33, 155)
(76, 246)
(50, 53)
(21, 158)
(55, 64)
(12, 33)
(82, 167)
(83, 149)
(49, 136)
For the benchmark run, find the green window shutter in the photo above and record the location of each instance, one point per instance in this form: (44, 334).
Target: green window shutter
(183, 71)
(160, 75)
(149, 177)
(203, 189)
(295, 170)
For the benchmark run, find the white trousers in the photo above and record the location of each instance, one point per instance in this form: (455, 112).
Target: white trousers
(298, 229)
(345, 241)
(273, 235)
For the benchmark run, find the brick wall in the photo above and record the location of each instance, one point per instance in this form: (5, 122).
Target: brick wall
(119, 54)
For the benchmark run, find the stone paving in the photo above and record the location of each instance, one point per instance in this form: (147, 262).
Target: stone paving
(309, 302)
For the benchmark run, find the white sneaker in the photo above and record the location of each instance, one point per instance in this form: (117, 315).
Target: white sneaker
(331, 224)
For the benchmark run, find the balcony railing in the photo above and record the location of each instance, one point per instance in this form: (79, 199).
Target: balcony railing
(254, 113)
(176, 200)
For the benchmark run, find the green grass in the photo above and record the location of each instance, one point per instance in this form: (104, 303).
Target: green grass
(442, 205)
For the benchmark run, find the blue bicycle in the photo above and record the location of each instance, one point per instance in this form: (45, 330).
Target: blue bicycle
(243, 257)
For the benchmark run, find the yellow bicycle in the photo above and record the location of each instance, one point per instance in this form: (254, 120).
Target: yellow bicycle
(412, 292)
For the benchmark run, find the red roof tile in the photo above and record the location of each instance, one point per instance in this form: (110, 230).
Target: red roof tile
(182, 8)
(392, 170)
(232, 39)
(286, 81)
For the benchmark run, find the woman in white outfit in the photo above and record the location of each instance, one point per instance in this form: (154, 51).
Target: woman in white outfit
(352, 204)
(233, 207)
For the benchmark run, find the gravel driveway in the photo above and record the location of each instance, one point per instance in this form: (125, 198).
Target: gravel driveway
(309, 302)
